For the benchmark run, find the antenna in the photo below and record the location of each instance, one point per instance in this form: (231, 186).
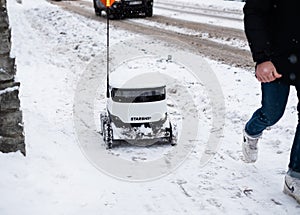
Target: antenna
(107, 52)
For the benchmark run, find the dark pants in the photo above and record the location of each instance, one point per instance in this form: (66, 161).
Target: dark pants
(274, 99)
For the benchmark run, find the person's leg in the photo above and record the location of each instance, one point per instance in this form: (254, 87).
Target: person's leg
(292, 177)
(274, 99)
(294, 164)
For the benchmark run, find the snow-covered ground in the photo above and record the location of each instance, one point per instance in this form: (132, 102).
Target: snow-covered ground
(191, 10)
(61, 67)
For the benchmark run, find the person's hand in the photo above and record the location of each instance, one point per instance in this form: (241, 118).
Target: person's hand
(266, 72)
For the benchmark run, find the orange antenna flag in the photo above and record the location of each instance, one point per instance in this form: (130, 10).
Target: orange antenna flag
(108, 3)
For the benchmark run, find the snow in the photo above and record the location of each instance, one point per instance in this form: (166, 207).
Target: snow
(61, 66)
(231, 9)
(10, 89)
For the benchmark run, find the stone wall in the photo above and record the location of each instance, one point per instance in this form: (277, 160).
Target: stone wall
(11, 127)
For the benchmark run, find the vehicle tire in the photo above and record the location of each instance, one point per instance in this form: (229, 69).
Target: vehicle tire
(104, 132)
(98, 11)
(108, 135)
(116, 15)
(172, 137)
(103, 119)
(110, 138)
(149, 11)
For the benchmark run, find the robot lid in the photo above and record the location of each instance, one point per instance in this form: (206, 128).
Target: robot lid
(136, 80)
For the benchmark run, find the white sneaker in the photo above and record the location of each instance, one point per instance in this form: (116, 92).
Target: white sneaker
(249, 147)
(292, 187)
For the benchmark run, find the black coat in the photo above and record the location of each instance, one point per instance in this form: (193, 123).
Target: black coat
(272, 28)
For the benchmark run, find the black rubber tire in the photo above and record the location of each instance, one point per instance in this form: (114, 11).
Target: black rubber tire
(98, 11)
(108, 136)
(149, 11)
(116, 16)
(172, 138)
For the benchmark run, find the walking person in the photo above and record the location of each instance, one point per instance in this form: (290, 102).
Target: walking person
(274, 39)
